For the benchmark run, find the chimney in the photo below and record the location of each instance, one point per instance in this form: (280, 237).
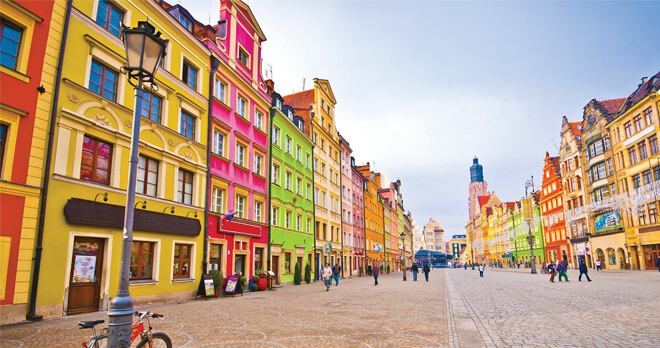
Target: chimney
(270, 86)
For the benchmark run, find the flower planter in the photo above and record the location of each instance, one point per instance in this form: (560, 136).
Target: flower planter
(262, 284)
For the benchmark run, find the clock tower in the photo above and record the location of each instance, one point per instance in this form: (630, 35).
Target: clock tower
(478, 187)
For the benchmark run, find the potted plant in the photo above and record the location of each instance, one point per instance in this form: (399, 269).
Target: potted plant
(388, 268)
(297, 274)
(381, 268)
(217, 281)
(255, 281)
(360, 271)
(308, 273)
(241, 284)
(262, 281)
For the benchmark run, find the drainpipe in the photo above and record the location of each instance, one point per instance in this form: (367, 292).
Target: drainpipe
(364, 226)
(215, 63)
(270, 173)
(31, 314)
(341, 205)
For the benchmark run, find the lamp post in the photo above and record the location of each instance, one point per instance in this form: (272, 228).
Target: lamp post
(402, 234)
(144, 50)
(528, 184)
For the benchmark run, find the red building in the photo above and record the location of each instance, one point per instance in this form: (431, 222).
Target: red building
(25, 104)
(552, 212)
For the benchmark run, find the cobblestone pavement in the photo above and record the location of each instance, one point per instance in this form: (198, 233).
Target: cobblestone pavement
(354, 314)
(512, 308)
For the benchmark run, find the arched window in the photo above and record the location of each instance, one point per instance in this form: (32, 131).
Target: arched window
(611, 256)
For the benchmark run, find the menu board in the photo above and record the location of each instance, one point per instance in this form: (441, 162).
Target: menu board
(208, 287)
(231, 284)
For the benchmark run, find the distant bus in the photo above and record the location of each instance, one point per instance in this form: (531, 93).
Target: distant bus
(435, 259)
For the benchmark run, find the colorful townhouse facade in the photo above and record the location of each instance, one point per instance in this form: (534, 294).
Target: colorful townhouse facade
(522, 229)
(291, 200)
(88, 181)
(316, 106)
(606, 228)
(386, 224)
(637, 161)
(30, 45)
(347, 216)
(552, 212)
(373, 219)
(239, 139)
(572, 175)
(358, 209)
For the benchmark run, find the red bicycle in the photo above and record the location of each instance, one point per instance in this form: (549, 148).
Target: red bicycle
(147, 338)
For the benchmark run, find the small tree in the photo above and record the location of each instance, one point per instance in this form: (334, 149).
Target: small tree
(297, 274)
(388, 268)
(360, 270)
(381, 268)
(308, 273)
(217, 278)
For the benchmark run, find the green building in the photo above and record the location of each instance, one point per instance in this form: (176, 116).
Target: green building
(291, 189)
(520, 243)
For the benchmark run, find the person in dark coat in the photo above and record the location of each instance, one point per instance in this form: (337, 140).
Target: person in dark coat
(415, 270)
(375, 272)
(583, 270)
(427, 269)
(561, 268)
(552, 271)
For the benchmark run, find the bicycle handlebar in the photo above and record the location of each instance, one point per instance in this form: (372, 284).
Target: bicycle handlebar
(147, 313)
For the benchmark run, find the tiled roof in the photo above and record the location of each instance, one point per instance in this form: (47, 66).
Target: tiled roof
(483, 199)
(611, 105)
(300, 103)
(649, 86)
(576, 127)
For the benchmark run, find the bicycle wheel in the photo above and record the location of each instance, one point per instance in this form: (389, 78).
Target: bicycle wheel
(160, 340)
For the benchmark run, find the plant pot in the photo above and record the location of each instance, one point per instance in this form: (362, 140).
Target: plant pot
(262, 284)
(217, 292)
(254, 288)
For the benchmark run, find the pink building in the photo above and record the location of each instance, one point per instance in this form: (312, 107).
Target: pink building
(238, 143)
(347, 215)
(357, 200)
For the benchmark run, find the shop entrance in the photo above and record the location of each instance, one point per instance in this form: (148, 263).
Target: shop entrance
(651, 253)
(276, 268)
(240, 265)
(86, 275)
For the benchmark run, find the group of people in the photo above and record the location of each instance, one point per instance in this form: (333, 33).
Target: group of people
(333, 272)
(561, 267)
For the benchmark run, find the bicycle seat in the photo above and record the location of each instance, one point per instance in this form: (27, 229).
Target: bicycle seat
(90, 324)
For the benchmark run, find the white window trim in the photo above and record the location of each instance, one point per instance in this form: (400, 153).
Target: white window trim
(193, 261)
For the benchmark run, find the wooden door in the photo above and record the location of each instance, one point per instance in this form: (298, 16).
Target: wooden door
(276, 268)
(86, 273)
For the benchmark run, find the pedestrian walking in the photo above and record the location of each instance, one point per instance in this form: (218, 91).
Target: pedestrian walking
(327, 273)
(375, 272)
(583, 270)
(336, 269)
(415, 270)
(481, 270)
(598, 265)
(562, 271)
(552, 271)
(465, 266)
(427, 269)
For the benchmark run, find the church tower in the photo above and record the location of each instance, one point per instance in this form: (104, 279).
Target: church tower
(478, 187)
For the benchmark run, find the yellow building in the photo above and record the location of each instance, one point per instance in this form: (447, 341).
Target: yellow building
(88, 181)
(637, 161)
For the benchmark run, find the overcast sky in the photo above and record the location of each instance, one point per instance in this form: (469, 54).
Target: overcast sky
(424, 86)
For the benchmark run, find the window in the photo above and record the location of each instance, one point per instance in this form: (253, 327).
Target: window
(606, 142)
(4, 129)
(316, 164)
(298, 222)
(648, 177)
(151, 106)
(217, 200)
(241, 106)
(298, 150)
(274, 217)
(9, 45)
(314, 136)
(307, 191)
(316, 196)
(287, 181)
(185, 187)
(220, 91)
(309, 224)
(243, 57)
(287, 220)
(653, 213)
(147, 180)
(215, 254)
(298, 185)
(187, 125)
(642, 217)
(185, 22)
(109, 17)
(258, 208)
(633, 155)
(258, 163)
(610, 170)
(648, 116)
(182, 254)
(276, 173)
(276, 136)
(636, 181)
(642, 150)
(95, 163)
(287, 262)
(323, 199)
(240, 154)
(637, 120)
(653, 141)
(287, 145)
(189, 75)
(628, 128)
(258, 119)
(240, 206)
(323, 169)
(307, 160)
(103, 81)
(142, 260)
(218, 143)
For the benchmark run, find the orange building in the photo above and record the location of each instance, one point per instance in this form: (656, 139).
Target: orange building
(373, 218)
(552, 211)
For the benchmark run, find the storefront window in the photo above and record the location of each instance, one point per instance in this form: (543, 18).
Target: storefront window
(611, 256)
(214, 257)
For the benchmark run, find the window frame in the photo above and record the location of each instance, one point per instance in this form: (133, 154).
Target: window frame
(148, 97)
(245, 106)
(186, 69)
(240, 156)
(247, 55)
(102, 75)
(108, 23)
(242, 201)
(95, 160)
(21, 39)
(144, 178)
(179, 260)
(140, 258)
(184, 119)
(258, 163)
(215, 206)
(216, 90)
(181, 195)
(218, 147)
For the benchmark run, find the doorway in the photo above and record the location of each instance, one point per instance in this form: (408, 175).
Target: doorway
(86, 275)
(239, 265)
(276, 268)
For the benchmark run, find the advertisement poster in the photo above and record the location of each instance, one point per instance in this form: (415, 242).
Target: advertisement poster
(208, 287)
(231, 284)
(608, 222)
(84, 269)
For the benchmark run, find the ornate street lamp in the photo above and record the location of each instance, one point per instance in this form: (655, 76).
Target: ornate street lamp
(402, 234)
(530, 238)
(144, 50)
